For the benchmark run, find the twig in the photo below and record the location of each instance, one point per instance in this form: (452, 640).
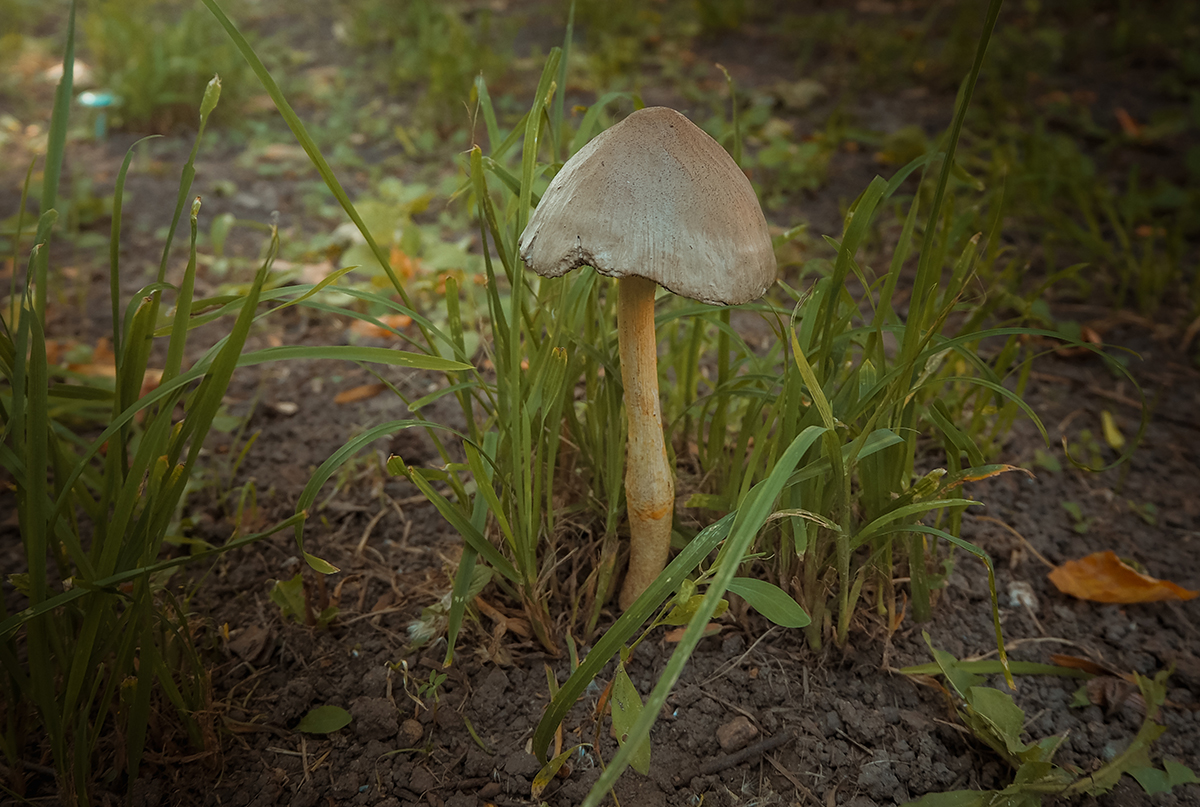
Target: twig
(1015, 643)
(1021, 537)
(733, 706)
(731, 664)
(366, 533)
(726, 761)
(786, 774)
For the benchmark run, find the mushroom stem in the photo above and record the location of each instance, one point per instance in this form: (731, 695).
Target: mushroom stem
(649, 482)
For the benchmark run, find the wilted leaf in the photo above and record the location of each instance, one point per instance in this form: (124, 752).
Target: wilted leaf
(394, 322)
(1112, 433)
(1103, 577)
(359, 393)
(1084, 664)
(988, 471)
(1110, 692)
(1129, 126)
(289, 596)
(626, 707)
(546, 775)
(324, 720)
(1085, 334)
(676, 636)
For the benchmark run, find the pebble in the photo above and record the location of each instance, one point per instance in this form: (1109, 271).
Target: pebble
(411, 732)
(736, 734)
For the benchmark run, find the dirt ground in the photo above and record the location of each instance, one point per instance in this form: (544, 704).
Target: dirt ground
(843, 727)
(836, 727)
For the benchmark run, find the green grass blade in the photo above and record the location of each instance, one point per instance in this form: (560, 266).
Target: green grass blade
(56, 144)
(987, 561)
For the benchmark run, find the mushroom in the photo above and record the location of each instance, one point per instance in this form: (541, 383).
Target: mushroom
(652, 201)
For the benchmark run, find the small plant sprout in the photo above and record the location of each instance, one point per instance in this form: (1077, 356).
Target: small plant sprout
(653, 201)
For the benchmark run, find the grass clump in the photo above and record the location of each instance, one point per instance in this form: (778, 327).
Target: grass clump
(437, 46)
(100, 652)
(157, 56)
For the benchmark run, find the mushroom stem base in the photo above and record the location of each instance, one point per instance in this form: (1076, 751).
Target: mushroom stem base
(649, 481)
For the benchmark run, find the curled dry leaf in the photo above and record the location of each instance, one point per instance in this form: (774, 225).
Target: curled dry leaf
(1103, 577)
(1087, 334)
(675, 636)
(1129, 126)
(359, 393)
(396, 322)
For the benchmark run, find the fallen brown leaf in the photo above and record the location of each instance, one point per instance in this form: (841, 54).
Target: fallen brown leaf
(359, 393)
(1128, 125)
(1103, 577)
(1080, 663)
(1087, 334)
(395, 322)
(676, 635)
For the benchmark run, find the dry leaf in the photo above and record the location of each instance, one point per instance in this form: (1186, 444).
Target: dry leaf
(675, 636)
(1128, 125)
(1110, 693)
(359, 393)
(404, 264)
(1102, 577)
(1080, 663)
(396, 322)
(1087, 334)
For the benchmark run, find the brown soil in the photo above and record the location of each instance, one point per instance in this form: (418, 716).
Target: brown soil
(854, 730)
(837, 727)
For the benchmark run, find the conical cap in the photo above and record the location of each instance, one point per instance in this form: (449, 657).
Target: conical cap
(655, 196)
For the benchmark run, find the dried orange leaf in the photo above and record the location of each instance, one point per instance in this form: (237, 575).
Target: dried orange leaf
(394, 322)
(1103, 577)
(675, 636)
(994, 470)
(1129, 126)
(1112, 432)
(405, 265)
(1078, 663)
(359, 393)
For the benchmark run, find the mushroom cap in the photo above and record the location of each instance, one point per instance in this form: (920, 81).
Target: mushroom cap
(656, 197)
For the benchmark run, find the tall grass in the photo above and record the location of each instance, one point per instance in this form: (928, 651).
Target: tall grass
(101, 643)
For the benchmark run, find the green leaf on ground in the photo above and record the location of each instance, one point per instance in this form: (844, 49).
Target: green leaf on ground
(324, 720)
(289, 596)
(1154, 781)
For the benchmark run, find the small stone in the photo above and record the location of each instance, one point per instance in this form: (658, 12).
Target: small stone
(1020, 595)
(411, 732)
(736, 734)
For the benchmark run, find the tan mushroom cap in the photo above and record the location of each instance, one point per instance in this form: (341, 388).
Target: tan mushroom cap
(655, 196)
